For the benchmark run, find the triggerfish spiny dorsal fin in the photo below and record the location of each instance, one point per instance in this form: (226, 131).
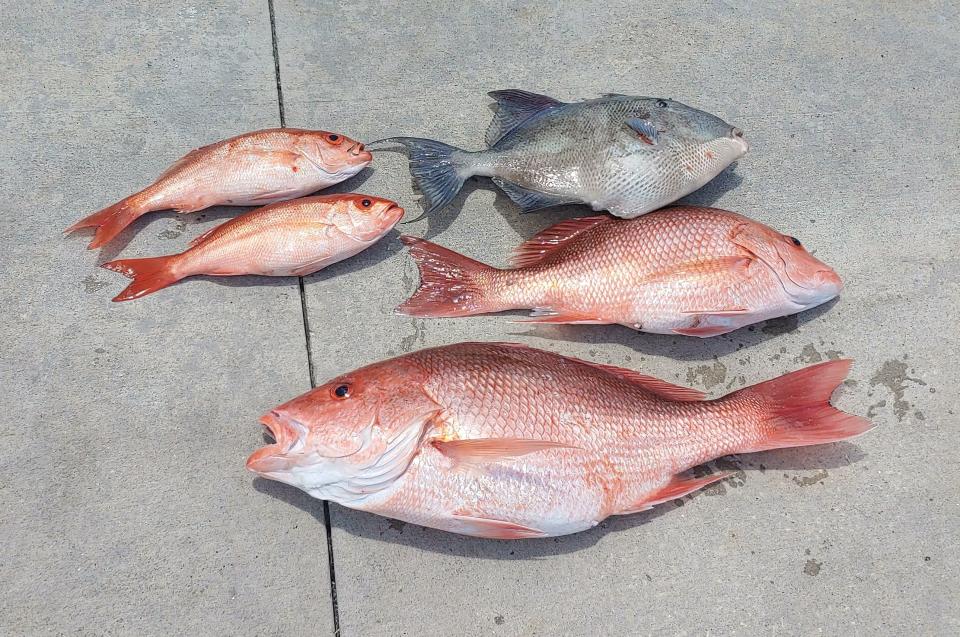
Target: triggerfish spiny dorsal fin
(493, 449)
(678, 487)
(536, 249)
(514, 107)
(530, 200)
(645, 130)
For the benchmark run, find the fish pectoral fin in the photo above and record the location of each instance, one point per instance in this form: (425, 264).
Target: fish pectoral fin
(493, 449)
(540, 245)
(546, 315)
(529, 200)
(645, 130)
(514, 107)
(678, 487)
(493, 529)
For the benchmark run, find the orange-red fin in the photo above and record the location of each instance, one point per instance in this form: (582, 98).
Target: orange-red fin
(537, 248)
(546, 315)
(678, 487)
(494, 529)
(494, 449)
(189, 158)
(651, 384)
(448, 282)
(110, 221)
(149, 275)
(703, 332)
(798, 408)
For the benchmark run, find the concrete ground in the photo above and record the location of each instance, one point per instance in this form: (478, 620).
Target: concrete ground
(125, 505)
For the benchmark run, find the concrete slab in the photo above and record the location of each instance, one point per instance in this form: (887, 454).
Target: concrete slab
(126, 506)
(855, 147)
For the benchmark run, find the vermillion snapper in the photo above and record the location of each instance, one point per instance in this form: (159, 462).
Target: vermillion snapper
(505, 441)
(684, 270)
(628, 155)
(253, 169)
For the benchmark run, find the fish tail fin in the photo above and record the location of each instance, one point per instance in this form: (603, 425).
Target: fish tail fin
(450, 283)
(112, 219)
(149, 275)
(438, 169)
(797, 410)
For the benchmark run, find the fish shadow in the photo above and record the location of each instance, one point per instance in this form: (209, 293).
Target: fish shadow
(370, 526)
(685, 348)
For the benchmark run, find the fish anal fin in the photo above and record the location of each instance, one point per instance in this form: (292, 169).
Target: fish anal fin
(678, 487)
(705, 331)
(561, 317)
(514, 107)
(493, 529)
(529, 200)
(480, 450)
(544, 243)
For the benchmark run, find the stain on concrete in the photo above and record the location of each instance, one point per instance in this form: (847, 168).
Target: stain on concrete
(100, 350)
(812, 567)
(410, 341)
(894, 375)
(810, 355)
(397, 525)
(816, 478)
(707, 376)
(91, 284)
(498, 620)
(781, 325)
(174, 232)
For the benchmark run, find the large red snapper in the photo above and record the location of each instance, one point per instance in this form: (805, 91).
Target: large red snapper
(684, 270)
(252, 169)
(505, 441)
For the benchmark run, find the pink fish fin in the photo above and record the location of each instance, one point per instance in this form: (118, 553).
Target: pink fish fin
(703, 332)
(678, 487)
(203, 237)
(798, 409)
(493, 449)
(546, 315)
(493, 529)
(654, 385)
(544, 243)
(149, 275)
(449, 282)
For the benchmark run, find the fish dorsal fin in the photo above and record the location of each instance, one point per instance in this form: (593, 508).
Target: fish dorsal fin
(557, 235)
(186, 159)
(513, 108)
(203, 237)
(653, 385)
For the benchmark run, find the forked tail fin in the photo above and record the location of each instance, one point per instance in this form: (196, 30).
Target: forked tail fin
(436, 167)
(797, 410)
(450, 283)
(149, 275)
(111, 220)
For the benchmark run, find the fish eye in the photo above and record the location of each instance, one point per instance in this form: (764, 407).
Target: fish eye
(366, 203)
(333, 138)
(796, 241)
(342, 391)
(661, 103)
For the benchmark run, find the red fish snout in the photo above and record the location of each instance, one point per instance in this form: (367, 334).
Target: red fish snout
(287, 434)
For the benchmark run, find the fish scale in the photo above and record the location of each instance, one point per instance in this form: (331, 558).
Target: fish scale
(512, 442)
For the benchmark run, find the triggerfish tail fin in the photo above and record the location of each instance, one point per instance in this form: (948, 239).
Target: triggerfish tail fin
(110, 221)
(450, 283)
(798, 409)
(149, 275)
(437, 168)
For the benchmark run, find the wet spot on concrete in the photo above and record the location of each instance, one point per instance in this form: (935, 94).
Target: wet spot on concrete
(781, 325)
(408, 342)
(175, 231)
(100, 350)
(894, 375)
(809, 355)
(812, 567)
(816, 478)
(498, 620)
(708, 376)
(91, 284)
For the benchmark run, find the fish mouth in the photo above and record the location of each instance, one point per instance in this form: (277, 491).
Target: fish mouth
(287, 434)
(736, 134)
(359, 152)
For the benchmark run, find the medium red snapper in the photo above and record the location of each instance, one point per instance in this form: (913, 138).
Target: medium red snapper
(505, 441)
(684, 270)
(291, 238)
(252, 169)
